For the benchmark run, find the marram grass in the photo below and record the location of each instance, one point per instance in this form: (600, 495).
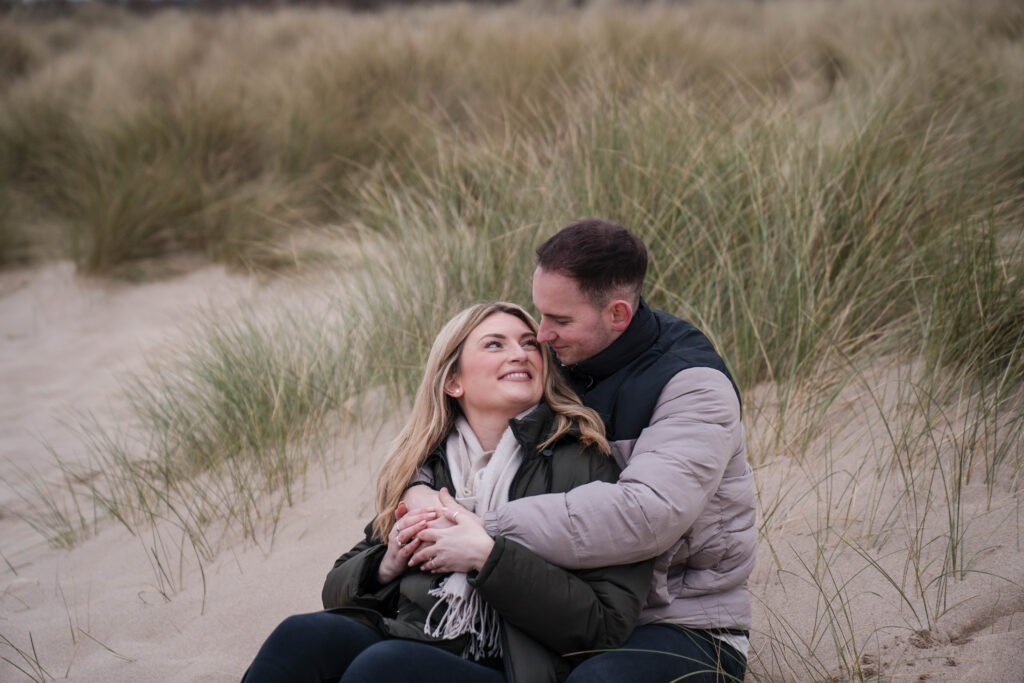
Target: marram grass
(140, 136)
(832, 191)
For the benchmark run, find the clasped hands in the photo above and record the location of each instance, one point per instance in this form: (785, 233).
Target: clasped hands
(441, 537)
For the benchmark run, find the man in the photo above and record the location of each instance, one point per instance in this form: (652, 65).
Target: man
(685, 494)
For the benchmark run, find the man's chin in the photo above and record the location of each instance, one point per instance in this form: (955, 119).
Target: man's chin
(564, 358)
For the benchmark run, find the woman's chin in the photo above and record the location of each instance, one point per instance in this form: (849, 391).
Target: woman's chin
(525, 403)
(517, 404)
(507, 402)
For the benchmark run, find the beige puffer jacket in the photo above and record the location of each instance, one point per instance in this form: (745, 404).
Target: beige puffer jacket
(685, 496)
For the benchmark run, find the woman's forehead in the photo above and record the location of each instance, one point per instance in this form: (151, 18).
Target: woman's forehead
(504, 324)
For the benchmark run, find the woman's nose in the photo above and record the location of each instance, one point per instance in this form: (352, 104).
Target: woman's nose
(516, 352)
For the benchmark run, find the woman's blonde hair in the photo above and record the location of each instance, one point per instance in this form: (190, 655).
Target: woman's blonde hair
(433, 412)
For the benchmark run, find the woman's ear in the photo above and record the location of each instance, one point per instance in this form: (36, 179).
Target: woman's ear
(452, 387)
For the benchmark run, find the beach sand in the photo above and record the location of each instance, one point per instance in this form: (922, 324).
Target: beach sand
(101, 611)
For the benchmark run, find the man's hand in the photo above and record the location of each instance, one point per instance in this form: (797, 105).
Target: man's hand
(421, 496)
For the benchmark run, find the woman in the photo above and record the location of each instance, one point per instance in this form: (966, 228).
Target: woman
(492, 421)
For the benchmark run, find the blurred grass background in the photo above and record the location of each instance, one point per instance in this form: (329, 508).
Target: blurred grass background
(824, 186)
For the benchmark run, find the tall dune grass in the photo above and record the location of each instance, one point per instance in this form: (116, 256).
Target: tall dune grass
(832, 190)
(216, 134)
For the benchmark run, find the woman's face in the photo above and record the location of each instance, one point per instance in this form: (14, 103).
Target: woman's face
(500, 370)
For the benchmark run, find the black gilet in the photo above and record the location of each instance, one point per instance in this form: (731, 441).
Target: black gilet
(622, 382)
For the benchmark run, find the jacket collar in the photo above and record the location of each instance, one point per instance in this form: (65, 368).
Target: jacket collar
(533, 428)
(529, 430)
(638, 337)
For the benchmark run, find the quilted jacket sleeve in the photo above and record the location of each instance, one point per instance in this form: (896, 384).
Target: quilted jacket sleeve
(566, 611)
(352, 582)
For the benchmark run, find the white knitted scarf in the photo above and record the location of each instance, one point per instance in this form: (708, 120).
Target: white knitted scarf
(481, 481)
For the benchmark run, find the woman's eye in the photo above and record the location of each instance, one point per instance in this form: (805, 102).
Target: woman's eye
(492, 345)
(532, 344)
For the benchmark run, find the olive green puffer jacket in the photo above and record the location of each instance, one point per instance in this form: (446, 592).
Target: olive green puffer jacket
(547, 612)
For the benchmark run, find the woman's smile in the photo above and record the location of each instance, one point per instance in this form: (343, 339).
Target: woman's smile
(517, 376)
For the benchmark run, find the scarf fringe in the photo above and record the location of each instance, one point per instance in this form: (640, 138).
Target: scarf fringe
(466, 613)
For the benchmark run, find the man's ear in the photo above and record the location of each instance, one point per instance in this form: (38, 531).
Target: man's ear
(620, 314)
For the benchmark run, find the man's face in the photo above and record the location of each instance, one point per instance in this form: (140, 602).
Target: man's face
(571, 323)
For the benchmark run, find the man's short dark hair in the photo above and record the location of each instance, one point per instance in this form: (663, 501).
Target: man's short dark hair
(600, 255)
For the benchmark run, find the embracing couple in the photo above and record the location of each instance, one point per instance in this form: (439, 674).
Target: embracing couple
(566, 501)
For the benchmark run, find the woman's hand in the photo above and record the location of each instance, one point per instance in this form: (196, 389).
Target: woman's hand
(450, 508)
(402, 542)
(421, 499)
(446, 509)
(464, 546)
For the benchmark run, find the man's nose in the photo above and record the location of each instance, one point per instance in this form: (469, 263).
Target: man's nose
(544, 333)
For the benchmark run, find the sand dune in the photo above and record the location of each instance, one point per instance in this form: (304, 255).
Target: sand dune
(101, 612)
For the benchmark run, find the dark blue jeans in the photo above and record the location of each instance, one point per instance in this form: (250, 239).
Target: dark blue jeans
(659, 653)
(323, 646)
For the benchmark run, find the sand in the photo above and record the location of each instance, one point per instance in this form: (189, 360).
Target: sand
(100, 612)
